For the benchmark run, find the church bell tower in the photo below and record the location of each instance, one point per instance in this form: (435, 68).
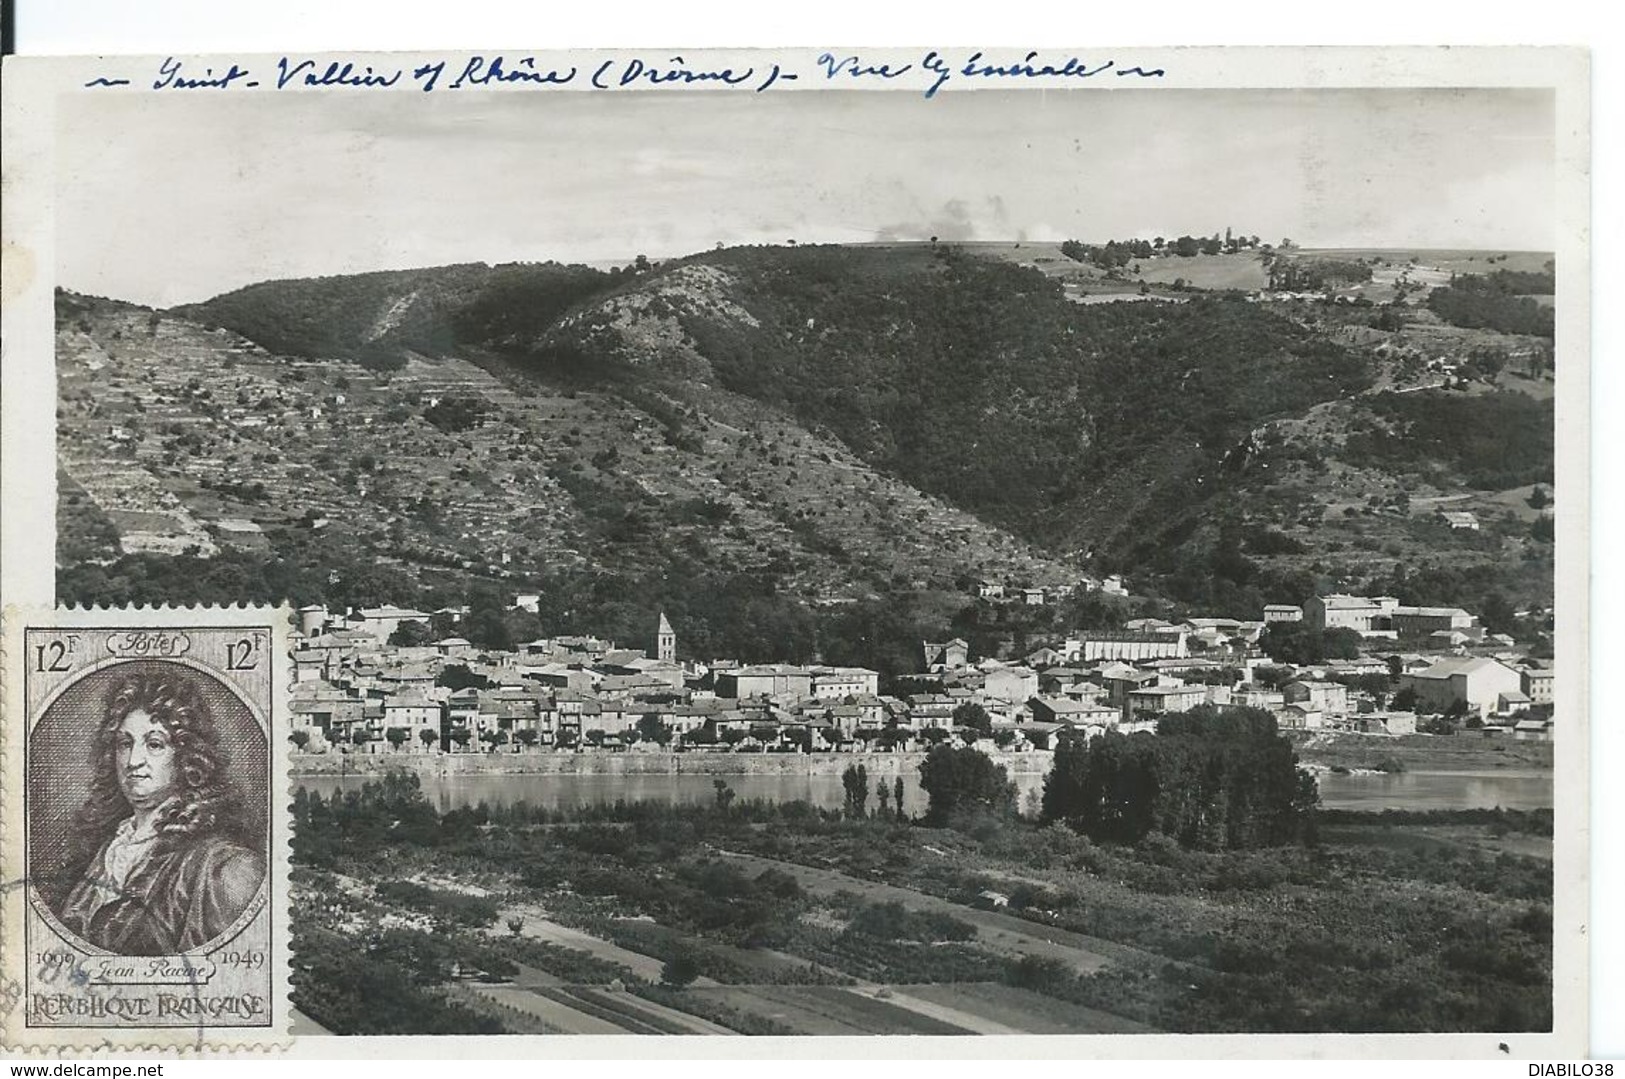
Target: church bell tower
(665, 641)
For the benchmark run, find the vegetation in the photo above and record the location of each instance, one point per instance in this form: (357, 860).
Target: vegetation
(1114, 254)
(914, 367)
(456, 676)
(1300, 274)
(362, 317)
(1209, 778)
(1499, 301)
(389, 985)
(715, 1011)
(571, 964)
(1491, 441)
(1419, 909)
(447, 908)
(963, 781)
(1300, 644)
(855, 781)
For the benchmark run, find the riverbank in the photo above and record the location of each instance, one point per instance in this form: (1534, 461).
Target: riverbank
(1320, 750)
(1468, 751)
(666, 763)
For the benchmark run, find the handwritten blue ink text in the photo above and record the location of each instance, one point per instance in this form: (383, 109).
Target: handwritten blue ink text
(931, 72)
(335, 74)
(677, 71)
(850, 65)
(170, 77)
(478, 72)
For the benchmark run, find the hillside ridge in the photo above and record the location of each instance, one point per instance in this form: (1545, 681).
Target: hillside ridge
(790, 428)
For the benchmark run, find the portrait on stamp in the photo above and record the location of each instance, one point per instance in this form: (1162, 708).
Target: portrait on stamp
(164, 851)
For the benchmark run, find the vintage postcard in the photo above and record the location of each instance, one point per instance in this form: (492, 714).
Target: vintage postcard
(146, 828)
(864, 547)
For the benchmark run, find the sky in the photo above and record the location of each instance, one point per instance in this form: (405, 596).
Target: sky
(165, 199)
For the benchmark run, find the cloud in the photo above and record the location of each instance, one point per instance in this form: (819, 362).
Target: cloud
(957, 221)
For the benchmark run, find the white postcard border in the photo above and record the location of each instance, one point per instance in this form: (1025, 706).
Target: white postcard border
(27, 532)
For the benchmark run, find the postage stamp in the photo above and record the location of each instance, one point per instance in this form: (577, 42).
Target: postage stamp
(146, 829)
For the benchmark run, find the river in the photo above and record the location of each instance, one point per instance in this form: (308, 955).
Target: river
(1405, 790)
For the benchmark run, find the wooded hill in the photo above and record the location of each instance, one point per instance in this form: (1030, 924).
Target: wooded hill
(867, 405)
(973, 380)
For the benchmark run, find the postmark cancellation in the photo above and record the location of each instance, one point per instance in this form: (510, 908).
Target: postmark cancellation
(146, 829)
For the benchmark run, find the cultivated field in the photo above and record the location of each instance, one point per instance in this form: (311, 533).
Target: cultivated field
(1446, 261)
(1239, 271)
(826, 1009)
(1023, 1011)
(1006, 932)
(779, 919)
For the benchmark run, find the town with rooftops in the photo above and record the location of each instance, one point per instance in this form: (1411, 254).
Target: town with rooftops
(362, 689)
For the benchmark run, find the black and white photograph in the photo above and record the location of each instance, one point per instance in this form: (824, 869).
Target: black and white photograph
(975, 559)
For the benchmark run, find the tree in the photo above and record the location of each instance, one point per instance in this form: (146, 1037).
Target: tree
(972, 715)
(1441, 724)
(724, 794)
(300, 739)
(1497, 614)
(397, 736)
(360, 737)
(1340, 642)
(963, 779)
(429, 737)
(487, 624)
(1296, 643)
(1209, 778)
(1300, 644)
(883, 796)
(456, 676)
(516, 925)
(897, 795)
(856, 782)
(651, 729)
(1404, 700)
(1376, 686)
(682, 968)
(411, 634)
